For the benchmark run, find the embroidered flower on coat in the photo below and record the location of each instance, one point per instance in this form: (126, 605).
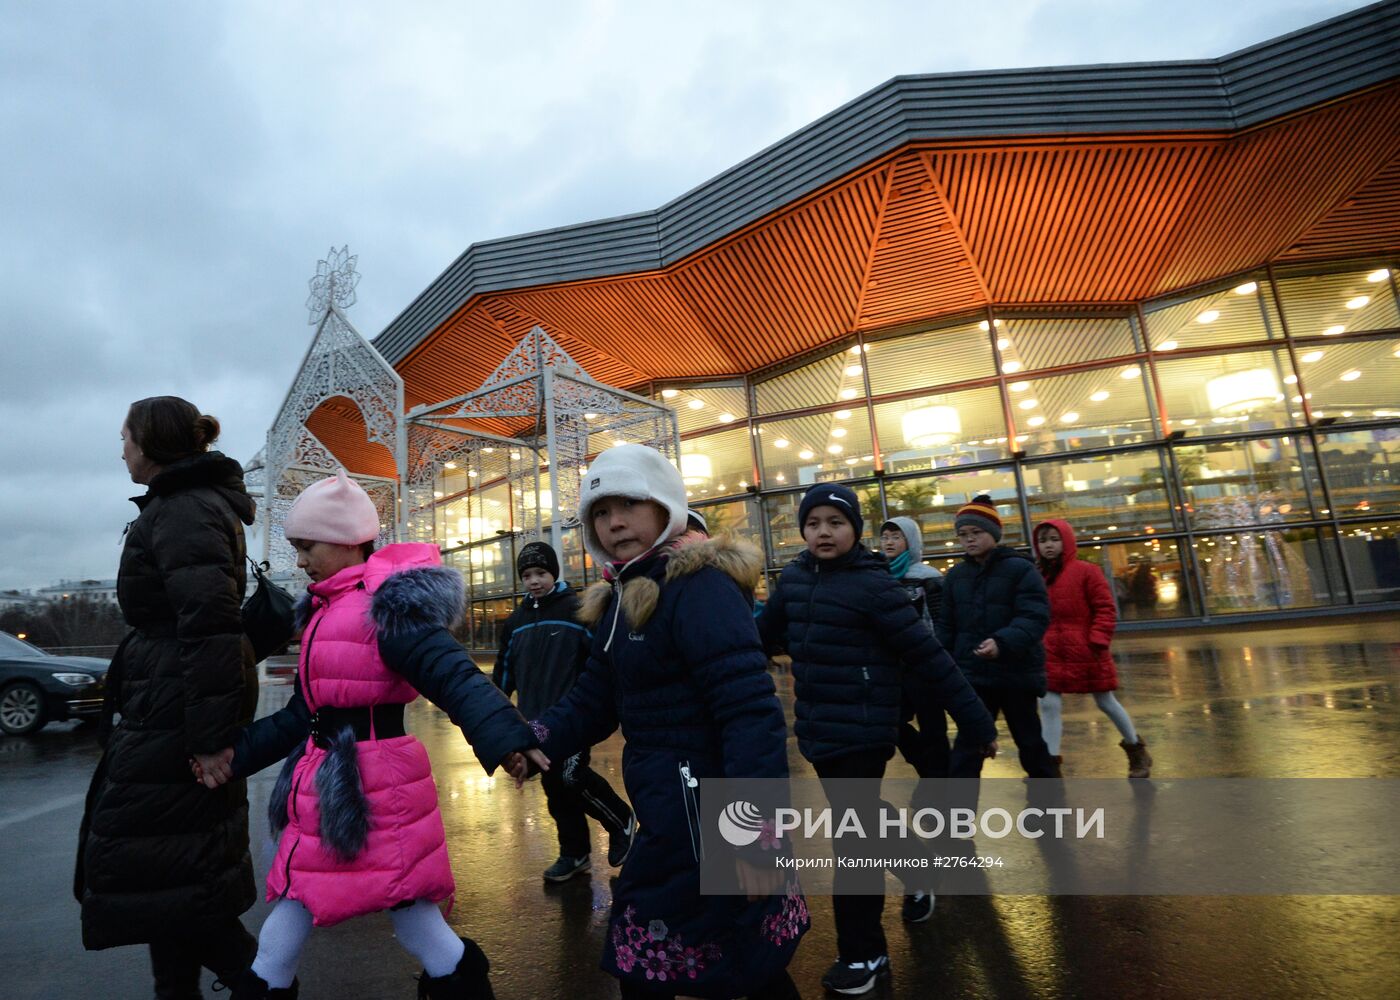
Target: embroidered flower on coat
(662, 955)
(790, 921)
(540, 730)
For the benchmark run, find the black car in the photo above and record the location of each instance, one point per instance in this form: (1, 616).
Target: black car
(37, 688)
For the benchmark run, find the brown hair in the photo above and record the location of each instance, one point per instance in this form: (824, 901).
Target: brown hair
(168, 428)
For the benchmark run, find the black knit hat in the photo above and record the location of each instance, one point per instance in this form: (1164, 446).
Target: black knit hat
(843, 498)
(537, 555)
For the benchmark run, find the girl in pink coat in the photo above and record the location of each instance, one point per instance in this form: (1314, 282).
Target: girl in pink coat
(1082, 620)
(356, 805)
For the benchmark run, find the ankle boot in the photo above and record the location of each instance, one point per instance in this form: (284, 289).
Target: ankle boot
(1139, 760)
(250, 986)
(467, 982)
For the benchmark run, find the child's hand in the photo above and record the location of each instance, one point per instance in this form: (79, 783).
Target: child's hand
(989, 751)
(213, 769)
(987, 650)
(518, 764)
(756, 883)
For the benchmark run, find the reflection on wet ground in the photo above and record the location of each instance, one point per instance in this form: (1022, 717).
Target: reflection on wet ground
(1309, 701)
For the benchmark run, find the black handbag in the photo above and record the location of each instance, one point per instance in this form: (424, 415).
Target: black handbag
(268, 615)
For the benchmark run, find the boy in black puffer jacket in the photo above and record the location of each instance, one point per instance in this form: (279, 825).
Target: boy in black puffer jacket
(541, 653)
(851, 633)
(994, 614)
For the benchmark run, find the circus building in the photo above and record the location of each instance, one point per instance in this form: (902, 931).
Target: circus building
(1158, 300)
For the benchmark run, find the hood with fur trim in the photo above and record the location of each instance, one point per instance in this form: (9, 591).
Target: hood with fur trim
(636, 472)
(737, 559)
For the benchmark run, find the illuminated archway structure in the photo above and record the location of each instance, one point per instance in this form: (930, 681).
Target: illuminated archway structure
(1124, 294)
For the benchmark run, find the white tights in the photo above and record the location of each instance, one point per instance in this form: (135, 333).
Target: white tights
(1052, 722)
(420, 928)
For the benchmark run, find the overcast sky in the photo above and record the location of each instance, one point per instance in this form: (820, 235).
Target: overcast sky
(171, 173)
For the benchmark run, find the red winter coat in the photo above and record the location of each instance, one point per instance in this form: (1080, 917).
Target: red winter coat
(1082, 620)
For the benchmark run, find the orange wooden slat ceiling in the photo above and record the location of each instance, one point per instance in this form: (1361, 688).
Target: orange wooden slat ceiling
(936, 229)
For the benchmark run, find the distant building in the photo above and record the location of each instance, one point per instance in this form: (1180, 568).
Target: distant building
(97, 591)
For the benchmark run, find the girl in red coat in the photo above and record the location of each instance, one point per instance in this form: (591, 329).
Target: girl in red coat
(1082, 620)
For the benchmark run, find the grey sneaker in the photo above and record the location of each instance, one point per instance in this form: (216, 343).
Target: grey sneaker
(566, 868)
(918, 907)
(854, 978)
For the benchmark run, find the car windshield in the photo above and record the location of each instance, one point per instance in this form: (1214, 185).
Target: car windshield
(10, 646)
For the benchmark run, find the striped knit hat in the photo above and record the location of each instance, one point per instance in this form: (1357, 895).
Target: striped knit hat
(981, 513)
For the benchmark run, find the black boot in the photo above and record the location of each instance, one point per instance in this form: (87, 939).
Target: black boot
(467, 982)
(248, 985)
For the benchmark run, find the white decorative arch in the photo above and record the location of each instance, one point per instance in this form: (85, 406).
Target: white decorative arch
(338, 362)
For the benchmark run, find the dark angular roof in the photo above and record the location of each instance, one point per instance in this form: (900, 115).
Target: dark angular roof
(1340, 56)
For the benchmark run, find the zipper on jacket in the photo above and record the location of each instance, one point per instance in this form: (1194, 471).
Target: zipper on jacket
(692, 811)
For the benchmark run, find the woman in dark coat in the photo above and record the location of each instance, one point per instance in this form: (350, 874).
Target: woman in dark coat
(676, 662)
(163, 861)
(1082, 621)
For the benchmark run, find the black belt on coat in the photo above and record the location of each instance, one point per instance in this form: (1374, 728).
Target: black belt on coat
(380, 722)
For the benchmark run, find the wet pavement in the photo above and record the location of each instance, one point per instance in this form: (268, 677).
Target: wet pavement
(1295, 701)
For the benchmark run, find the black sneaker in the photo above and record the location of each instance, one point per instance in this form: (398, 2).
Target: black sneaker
(566, 868)
(918, 907)
(854, 978)
(620, 842)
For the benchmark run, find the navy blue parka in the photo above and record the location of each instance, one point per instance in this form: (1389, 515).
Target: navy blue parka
(1003, 599)
(676, 662)
(852, 633)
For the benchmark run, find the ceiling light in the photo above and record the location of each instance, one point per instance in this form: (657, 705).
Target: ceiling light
(1242, 391)
(1311, 356)
(1029, 404)
(984, 325)
(805, 455)
(1376, 276)
(471, 473)
(847, 394)
(1358, 302)
(515, 456)
(696, 469)
(1350, 376)
(842, 414)
(834, 449)
(726, 418)
(487, 451)
(1290, 380)
(1188, 422)
(781, 443)
(449, 465)
(1011, 367)
(1036, 421)
(856, 350)
(590, 416)
(1099, 396)
(1069, 417)
(931, 426)
(838, 432)
(696, 404)
(1019, 386)
(1003, 343)
(850, 461)
(1209, 316)
(853, 371)
(1248, 288)
(1167, 345)
(1332, 331)
(670, 393)
(1132, 372)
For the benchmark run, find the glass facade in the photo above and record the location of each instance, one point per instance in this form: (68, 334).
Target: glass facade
(1232, 448)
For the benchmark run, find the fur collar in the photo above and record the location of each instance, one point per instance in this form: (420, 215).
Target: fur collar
(737, 559)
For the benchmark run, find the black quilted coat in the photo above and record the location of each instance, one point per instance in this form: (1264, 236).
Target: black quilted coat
(852, 634)
(156, 850)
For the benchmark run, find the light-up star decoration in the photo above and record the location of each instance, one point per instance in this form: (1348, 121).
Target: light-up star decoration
(334, 284)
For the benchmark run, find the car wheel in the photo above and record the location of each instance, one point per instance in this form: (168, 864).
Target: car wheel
(21, 709)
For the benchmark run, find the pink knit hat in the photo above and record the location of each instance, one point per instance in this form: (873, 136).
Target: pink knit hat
(333, 510)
